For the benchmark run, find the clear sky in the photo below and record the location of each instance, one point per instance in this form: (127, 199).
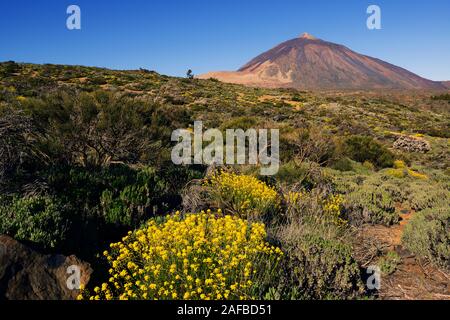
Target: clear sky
(170, 36)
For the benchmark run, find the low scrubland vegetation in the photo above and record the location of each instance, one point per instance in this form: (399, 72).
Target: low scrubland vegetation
(85, 169)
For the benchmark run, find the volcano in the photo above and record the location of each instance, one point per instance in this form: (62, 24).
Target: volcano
(310, 63)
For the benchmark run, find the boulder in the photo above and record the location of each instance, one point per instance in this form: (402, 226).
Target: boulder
(26, 274)
(412, 144)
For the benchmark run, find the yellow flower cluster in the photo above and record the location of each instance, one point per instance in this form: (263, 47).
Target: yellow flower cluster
(294, 197)
(199, 256)
(332, 207)
(242, 195)
(417, 175)
(401, 170)
(399, 164)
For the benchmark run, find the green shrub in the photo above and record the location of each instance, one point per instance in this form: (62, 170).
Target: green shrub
(39, 219)
(368, 165)
(120, 188)
(389, 263)
(314, 144)
(364, 148)
(127, 206)
(307, 174)
(318, 260)
(16, 151)
(298, 98)
(371, 203)
(423, 195)
(345, 182)
(371, 198)
(106, 202)
(343, 164)
(243, 123)
(317, 268)
(8, 68)
(445, 97)
(428, 235)
(83, 128)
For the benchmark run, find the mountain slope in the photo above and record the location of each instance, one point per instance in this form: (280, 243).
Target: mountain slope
(446, 84)
(310, 63)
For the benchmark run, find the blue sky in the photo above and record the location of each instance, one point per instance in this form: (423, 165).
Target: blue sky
(170, 36)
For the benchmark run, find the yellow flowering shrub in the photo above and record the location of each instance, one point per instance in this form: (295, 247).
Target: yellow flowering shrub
(199, 256)
(242, 195)
(294, 197)
(417, 175)
(399, 164)
(332, 207)
(401, 170)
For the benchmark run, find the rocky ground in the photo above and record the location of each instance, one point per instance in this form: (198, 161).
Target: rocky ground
(414, 278)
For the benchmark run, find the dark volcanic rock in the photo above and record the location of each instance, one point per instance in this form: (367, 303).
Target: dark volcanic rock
(28, 275)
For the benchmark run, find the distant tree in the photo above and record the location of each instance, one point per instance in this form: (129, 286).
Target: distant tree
(189, 74)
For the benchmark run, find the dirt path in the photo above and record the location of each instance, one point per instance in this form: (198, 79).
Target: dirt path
(413, 279)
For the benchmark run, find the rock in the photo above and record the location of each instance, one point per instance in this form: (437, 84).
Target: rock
(412, 144)
(280, 117)
(26, 274)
